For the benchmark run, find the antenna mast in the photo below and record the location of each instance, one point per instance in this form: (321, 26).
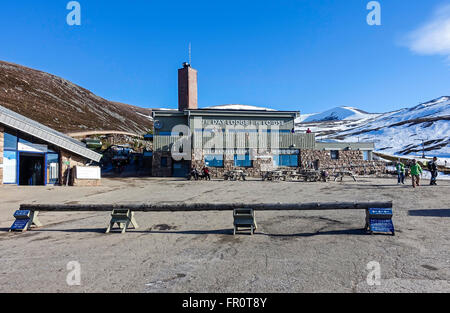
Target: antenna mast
(190, 53)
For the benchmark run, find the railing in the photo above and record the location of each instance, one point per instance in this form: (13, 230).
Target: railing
(241, 141)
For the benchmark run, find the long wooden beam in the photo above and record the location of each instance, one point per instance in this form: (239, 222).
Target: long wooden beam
(185, 207)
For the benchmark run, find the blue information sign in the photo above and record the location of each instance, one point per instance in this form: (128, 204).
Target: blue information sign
(380, 211)
(382, 226)
(379, 220)
(20, 224)
(22, 213)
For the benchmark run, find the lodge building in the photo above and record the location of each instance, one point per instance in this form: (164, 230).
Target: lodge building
(34, 154)
(251, 140)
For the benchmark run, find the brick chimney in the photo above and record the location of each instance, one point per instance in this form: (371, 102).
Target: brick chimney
(187, 88)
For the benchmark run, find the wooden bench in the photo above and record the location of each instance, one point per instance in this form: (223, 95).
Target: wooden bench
(129, 209)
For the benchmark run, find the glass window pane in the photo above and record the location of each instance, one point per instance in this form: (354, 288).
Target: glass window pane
(241, 160)
(10, 141)
(53, 168)
(9, 167)
(214, 160)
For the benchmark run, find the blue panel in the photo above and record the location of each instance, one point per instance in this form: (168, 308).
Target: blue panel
(10, 141)
(380, 211)
(215, 160)
(383, 226)
(242, 160)
(20, 224)
(22, 213)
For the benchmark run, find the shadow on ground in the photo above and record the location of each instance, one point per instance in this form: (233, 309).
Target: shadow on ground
(434, 212)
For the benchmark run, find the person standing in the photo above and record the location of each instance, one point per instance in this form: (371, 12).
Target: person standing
(416, 170)
(308, 131)
(400, 172)
(432, 166)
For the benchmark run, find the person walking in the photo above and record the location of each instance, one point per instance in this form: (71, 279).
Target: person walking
(416, 170)
(400, 173)
(432, 167)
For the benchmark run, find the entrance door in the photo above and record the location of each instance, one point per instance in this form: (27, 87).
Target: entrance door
(31, 169)
(180, 169)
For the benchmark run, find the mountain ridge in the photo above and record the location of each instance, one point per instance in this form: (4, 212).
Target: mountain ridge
(63, 105)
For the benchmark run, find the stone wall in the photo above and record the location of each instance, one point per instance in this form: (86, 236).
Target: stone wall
(1, 153)
(73, 160)
(308, 159)
(262, 162)
(348, 160)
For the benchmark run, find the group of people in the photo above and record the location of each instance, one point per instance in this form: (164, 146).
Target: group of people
(195, 174)
(416, 171)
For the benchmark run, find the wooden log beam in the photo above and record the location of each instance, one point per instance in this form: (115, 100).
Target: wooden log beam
(196, 207)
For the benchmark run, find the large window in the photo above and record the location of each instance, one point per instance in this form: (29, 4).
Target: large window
(367, 155)
(242, 160)
(214, 160)
(285, 160)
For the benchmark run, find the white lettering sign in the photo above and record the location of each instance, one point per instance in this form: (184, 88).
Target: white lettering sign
(32, 147)
(89, 172)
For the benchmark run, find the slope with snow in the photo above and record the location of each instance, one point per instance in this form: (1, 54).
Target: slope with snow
(339, 114)
(238, 107)
(404, 132)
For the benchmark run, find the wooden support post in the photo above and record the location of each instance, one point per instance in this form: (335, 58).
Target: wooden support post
(123, 219)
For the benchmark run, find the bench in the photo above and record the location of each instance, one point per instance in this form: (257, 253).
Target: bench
(125, 212)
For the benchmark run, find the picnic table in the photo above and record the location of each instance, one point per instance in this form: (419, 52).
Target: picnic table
(234, 175)
(274, 176)
(342, 174)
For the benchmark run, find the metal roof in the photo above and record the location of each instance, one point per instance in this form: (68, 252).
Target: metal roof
(33, 128)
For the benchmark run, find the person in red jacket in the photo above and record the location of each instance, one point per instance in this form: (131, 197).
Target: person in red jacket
(206, 173)
(308, 131)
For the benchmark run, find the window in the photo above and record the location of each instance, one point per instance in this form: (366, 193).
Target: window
(53, 167)
(285, 160)
(164, 162)
(214, 160)
(10, 167)
(242, 160)
(10, 142)
(334, 154)
(367, 156)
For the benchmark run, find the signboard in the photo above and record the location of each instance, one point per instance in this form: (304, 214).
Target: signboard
(32, 147)
(87, 172)
(379, 220)
(22, 222)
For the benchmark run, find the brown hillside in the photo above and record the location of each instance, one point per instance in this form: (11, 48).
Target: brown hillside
(64, 106)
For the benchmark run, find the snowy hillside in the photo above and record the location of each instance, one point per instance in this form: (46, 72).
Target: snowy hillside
(399, 132)
(339, 114)
(238, 107)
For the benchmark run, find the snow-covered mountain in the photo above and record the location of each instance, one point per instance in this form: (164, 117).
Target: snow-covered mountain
(238, 107)
(339, 114)
(400, 132)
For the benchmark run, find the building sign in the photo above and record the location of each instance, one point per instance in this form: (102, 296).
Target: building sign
(89, 172)
(243, 122)
(32, 147)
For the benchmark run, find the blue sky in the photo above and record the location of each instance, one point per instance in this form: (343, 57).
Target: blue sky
(288, 55)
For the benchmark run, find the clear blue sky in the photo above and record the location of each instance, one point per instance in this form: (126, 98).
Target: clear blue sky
(289, 55)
